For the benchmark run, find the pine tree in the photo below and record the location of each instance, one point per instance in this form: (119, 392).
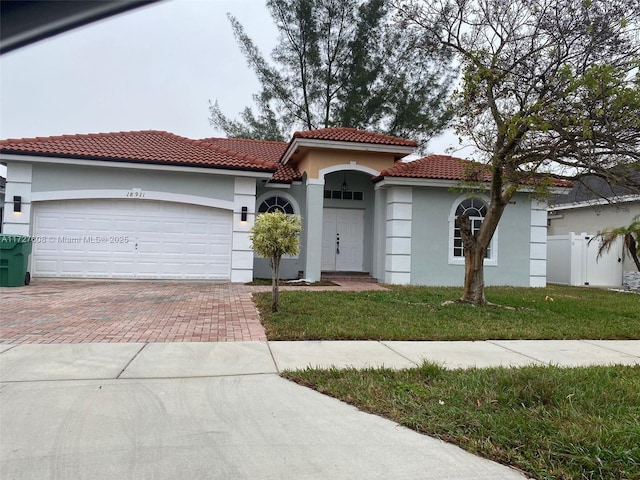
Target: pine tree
(341, 63)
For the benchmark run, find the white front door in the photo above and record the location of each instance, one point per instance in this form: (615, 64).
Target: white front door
(342, 240)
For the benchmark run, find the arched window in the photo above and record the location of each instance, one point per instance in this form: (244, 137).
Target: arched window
(276, 203)
(476, 209)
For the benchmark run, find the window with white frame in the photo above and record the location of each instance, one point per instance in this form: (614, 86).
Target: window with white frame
(476, 209)
(276, 203)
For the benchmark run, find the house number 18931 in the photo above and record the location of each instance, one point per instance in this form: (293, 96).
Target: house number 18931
(135, 194)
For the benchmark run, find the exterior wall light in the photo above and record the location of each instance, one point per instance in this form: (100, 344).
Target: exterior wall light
(17, 204)
(243, 215)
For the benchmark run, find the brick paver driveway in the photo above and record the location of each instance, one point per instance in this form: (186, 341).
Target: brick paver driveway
(61, 311)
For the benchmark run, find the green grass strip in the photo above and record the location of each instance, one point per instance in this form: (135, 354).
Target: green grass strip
(418, 313)
(552, 423)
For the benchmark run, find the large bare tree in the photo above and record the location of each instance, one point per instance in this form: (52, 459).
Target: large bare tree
(549, 89)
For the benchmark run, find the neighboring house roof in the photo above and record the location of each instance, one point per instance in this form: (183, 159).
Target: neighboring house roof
(594, 190)
(265, 149)
(342, 134)
(148, 146)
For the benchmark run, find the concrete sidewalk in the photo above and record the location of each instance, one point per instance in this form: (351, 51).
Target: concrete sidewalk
(219, 411)
(88, 361)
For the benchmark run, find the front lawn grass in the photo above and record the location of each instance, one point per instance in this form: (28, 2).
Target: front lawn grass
(418, 313)
(552, 423)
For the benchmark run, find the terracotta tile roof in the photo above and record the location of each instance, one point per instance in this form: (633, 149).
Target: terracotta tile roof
(148, 146)
(341, 134)
(286, 174)
(444, 167)
(440, 167)
(265, 149)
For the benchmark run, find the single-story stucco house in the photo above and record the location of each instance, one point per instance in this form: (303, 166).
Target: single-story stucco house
(154, 205)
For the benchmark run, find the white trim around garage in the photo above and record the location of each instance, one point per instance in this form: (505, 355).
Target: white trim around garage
(131, 194)
(129, 238)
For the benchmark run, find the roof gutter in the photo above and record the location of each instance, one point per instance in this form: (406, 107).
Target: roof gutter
(595, 202)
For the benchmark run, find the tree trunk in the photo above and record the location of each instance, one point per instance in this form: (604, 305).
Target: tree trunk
(473, 264)
(632, 247)
(275, 280)
(474, 279)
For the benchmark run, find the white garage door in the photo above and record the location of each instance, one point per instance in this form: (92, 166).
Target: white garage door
(131, 239)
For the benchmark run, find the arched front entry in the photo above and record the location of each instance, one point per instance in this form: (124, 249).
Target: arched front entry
(347, 214)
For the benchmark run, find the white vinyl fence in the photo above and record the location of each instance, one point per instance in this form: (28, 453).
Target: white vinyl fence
(572, 260)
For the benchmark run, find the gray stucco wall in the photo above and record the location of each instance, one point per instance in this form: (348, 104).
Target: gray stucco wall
(50, 178)
(430, 241)
(592, 219)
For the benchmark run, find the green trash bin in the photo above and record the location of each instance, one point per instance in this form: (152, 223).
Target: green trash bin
(14, 258)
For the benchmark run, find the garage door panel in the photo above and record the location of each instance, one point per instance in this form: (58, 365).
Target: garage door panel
(125, 207)
(46, 266)
(151, 227)
(100, 225)
(47, 222)
(173, 228)
(148, 248)
(99, 248)
(217, 237)
(45, 247)
(197, 249)
(169, 268)
(67, 246)
(197, 228)
(173, 240)
(123, 248)
(74, 225)
(120, 268)
(98, 266)
(218, 250)
(124, 225)
(172, 247)
(75, 267)
(147, 268)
